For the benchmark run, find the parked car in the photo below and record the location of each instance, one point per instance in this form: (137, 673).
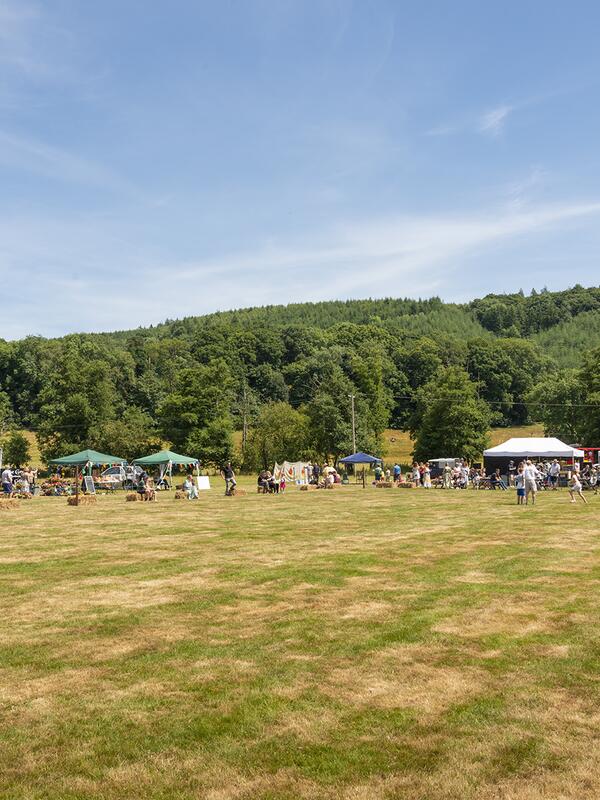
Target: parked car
(127, 475)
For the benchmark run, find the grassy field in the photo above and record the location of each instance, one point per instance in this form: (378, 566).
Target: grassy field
(351, 644)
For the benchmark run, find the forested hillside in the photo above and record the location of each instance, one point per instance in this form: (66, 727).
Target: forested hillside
(284, 376)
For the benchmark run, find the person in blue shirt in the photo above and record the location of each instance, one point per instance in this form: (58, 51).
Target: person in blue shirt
(397, 472)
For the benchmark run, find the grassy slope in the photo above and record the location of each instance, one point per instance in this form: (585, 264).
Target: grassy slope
(400, 446)
(347, 644)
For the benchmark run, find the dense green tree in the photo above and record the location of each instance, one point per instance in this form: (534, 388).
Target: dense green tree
(268, 383)
(330, 427)
(78, 398)
(132, 435)
(201, 395)
(589, 376)
(213, 443)
(281, 433)
(451, 419)
(557, 401)
(5, 411)
(16, 449)
(187, 374)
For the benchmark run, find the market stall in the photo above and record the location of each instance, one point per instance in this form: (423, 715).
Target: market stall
(360, 459)
(164, 461)
(537, 448)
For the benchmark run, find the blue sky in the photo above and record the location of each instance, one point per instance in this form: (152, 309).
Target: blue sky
(161, 159)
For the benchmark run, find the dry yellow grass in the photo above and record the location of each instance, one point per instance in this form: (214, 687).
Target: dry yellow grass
(399, 445)
(350, 644)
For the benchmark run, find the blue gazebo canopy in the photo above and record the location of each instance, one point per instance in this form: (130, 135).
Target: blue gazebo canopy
(360, 458)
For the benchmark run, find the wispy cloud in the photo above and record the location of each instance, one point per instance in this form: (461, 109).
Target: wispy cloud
(30, 155)
(493, 121)
(519, 192)
(401, 255)
(490, 123)
(18, 21)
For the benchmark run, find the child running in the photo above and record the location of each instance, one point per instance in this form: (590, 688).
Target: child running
(575, 488)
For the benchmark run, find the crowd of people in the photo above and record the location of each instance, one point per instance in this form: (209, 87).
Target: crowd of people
(526, 477)
(18, 482)
(269, 484)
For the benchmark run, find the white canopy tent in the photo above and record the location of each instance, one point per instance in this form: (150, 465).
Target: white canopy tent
(535, 447)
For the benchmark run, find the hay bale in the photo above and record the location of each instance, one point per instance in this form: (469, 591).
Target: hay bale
(307, 487)
(8, 504)
(180, 495)
(237, 492)
(384, 485)
(132, 497)
(84, 500)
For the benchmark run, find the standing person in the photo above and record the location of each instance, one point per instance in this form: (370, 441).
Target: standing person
(416, 475)
(464, 475)
(447, 476)
(575, 487)
(316, 472)
(530, 475)
(520, 484)
(228, 476)
(7, 481)
(594, 479)
(397, 472)
(426, 476)
(512, 473)
(554, 474)
(378, 472)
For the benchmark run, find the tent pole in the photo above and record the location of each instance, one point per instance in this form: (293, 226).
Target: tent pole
(77, 485)
(363, 477)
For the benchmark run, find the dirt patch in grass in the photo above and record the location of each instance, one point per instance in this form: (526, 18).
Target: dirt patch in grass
(517, 616)
(426, 689)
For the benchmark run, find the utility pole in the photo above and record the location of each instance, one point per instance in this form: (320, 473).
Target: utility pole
(245, 421)
(351, 396)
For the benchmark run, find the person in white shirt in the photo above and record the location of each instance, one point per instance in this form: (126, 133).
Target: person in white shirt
(520, 484)
(575, 488)
(530, 475)
(7, 481)
(554, 473)
(427, 476)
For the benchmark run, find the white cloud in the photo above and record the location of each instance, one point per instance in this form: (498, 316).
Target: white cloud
(18, 152)
(493, 122)
(490, 123)
(87, 274)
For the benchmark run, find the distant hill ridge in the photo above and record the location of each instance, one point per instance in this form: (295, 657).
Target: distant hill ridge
(509, 315)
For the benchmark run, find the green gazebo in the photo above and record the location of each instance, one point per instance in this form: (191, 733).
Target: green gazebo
(165, 460)
(87, 457)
